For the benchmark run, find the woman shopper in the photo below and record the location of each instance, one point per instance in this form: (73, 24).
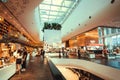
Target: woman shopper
(18, 60)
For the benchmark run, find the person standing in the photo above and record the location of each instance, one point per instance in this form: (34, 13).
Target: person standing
(117, 50)
(18, 57)
(59, 53)
(43, 53)
(63, 51)
(105, 51)
(79, 55)
(24, 59)
(82, 51)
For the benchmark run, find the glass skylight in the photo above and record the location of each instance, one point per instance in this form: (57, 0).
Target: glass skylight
(56, 10)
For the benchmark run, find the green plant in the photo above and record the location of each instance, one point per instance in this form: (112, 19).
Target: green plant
(52, 26)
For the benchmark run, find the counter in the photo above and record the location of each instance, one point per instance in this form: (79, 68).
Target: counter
(7, 71)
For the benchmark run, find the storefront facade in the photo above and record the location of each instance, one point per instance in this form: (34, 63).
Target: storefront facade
(109, 36)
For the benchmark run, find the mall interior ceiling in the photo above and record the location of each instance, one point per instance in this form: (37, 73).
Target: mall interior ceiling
(85, 15)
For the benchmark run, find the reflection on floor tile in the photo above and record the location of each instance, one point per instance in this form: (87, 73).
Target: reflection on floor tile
(37, 69)
(115, 63)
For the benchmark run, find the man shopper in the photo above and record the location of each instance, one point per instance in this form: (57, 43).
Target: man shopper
(24, 59)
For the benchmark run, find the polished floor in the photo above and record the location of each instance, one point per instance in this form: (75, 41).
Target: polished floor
(115, 63)
(38, 69)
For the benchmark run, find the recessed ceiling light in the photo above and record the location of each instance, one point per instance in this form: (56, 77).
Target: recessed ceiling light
(10, 17)
(1, 19)
(89, 17)
(5, 12)
(112, 1)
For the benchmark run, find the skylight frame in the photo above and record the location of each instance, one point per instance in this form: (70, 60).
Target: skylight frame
(59, 9)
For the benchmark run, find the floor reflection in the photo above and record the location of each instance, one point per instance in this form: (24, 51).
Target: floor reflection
(115, 63)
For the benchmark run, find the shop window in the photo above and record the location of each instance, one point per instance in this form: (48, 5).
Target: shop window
(113, 30)
(108, 31)
(118, 39)
(100, 31)
(114, 41)
(101, 40)
(108, 42)
(119, 30)
(105, 31)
